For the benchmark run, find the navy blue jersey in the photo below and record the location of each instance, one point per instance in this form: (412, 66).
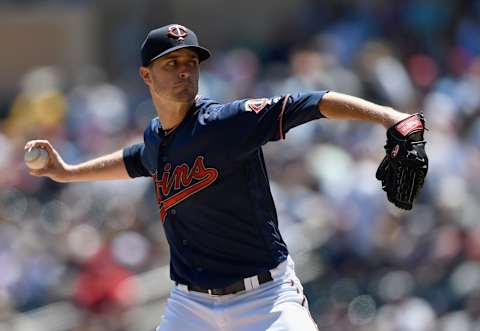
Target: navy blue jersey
(212, 186)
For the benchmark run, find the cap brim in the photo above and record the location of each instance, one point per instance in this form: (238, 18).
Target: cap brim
(202, 52)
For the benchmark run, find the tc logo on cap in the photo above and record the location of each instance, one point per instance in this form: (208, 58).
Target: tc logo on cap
(177, 31)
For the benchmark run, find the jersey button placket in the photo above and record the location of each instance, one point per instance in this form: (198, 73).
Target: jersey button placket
(162, 150)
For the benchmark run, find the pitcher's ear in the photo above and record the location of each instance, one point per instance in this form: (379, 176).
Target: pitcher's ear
(145, 74)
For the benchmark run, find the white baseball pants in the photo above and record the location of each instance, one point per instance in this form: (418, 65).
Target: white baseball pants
(278, 305)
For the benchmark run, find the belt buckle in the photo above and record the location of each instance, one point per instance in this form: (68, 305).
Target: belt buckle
(209, 291)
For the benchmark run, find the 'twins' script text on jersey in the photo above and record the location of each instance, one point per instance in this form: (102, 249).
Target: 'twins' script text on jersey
(184, 180)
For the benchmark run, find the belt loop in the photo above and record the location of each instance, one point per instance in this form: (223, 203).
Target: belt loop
(251, 283)
(182, 287)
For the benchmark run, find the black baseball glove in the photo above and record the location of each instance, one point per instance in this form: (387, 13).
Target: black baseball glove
(403, 170)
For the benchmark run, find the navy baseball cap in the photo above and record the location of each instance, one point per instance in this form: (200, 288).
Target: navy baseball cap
(169, 38)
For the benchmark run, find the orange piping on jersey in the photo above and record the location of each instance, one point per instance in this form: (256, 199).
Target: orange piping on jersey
(282, 135)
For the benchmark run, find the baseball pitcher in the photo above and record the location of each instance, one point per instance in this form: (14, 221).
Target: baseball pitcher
(230, 266)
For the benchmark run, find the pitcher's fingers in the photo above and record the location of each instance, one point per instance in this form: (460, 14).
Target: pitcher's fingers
(45, 144)
(46, 171)
(29, 144)
(34, 142)
(37, 173)
(38, 143)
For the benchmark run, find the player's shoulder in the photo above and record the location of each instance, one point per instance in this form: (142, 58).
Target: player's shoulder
(207, 108)
(210, 111)
(207, 105)
(254, 105)
(152, 129)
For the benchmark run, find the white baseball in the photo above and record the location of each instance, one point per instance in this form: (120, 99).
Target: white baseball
(36, 158)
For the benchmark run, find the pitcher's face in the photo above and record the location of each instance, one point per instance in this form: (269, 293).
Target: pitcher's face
(173, 76)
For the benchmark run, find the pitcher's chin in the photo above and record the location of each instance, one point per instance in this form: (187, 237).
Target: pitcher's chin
(185, 94)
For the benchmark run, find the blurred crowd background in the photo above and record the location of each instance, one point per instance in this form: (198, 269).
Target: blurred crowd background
(93, 256)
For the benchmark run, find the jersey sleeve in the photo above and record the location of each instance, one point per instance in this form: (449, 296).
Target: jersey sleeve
(132, 156)
(251, 123)
(300, 108)
(141, 159)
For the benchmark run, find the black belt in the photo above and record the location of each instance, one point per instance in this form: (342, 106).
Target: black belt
(238, 286)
